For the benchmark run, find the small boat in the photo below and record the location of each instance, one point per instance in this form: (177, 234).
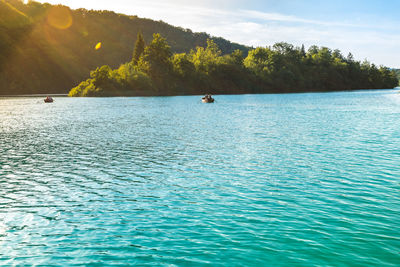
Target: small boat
(207, 99)
(48, 99)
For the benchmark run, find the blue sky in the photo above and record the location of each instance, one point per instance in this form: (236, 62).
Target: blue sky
(369, 29)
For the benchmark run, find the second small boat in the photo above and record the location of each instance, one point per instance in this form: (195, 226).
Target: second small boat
(207, 99)
(48, 99)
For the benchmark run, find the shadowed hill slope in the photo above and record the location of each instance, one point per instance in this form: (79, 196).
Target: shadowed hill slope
(49, 49)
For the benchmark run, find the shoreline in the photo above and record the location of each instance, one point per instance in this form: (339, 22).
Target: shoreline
(271, 93)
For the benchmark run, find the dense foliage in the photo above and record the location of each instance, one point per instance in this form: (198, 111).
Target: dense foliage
(49, 49)
(280, 68)
(397, 72)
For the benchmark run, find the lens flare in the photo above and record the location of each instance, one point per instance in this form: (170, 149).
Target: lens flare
(98, 46)
(60, 17)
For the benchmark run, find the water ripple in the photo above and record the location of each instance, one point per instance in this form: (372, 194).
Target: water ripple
(279, 180)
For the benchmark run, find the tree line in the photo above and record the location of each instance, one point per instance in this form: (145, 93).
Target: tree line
(281, 68)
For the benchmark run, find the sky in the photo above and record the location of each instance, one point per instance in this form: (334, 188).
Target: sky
(368, 29)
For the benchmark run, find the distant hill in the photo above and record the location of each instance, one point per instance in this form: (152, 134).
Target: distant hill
(49, 49)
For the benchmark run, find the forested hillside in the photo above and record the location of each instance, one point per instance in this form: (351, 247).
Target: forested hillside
(282, 68)
(49, 49)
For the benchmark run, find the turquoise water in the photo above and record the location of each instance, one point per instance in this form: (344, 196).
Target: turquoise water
(251, 180)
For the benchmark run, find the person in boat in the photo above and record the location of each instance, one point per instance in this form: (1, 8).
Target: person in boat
(208, 98)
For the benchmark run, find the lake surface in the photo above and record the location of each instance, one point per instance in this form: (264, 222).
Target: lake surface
(255, 180)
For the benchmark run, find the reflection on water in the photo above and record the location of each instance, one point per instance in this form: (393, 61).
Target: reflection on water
(302, 179)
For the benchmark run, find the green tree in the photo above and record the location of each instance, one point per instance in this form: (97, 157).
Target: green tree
(156, 62)
(139, 48)
(237, 58)
(258, 61)
(302, 51)
(206, 59)
(182, 66)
